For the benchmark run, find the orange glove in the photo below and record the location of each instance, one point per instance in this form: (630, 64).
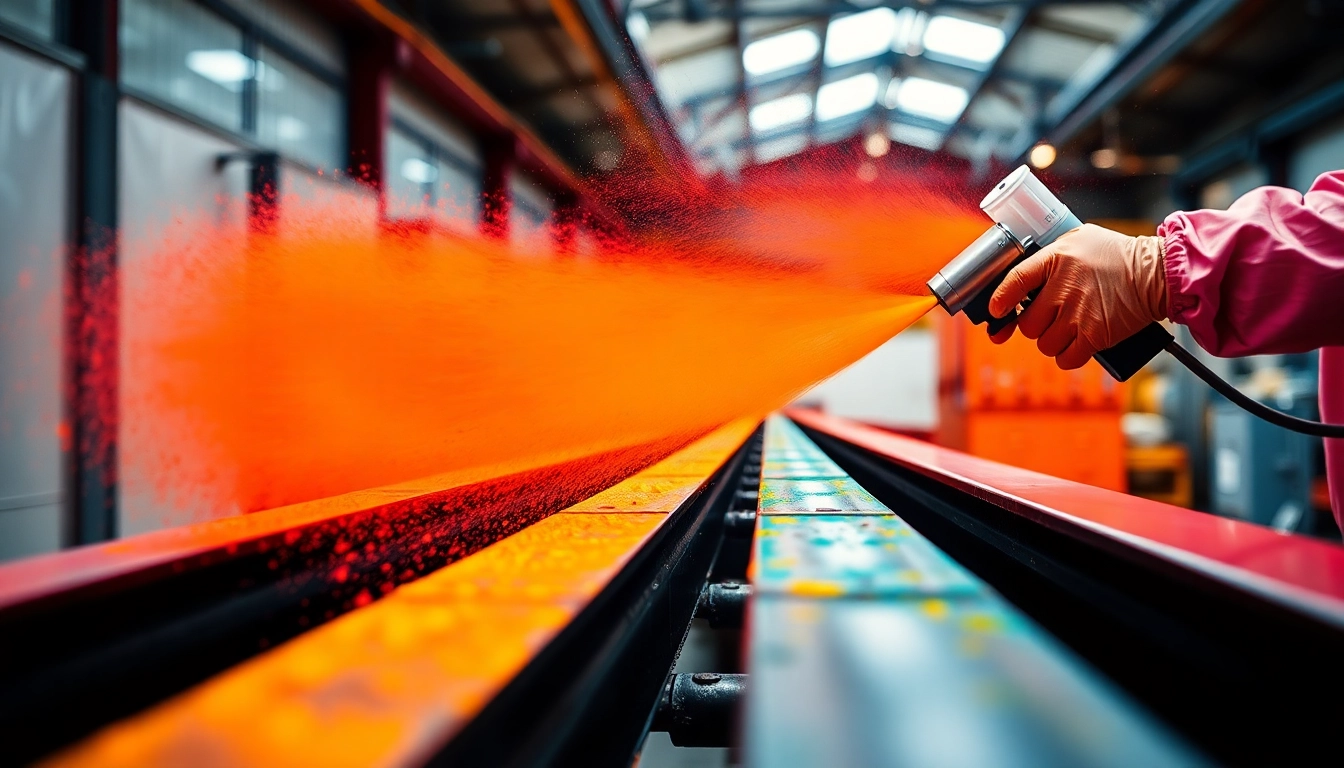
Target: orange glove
(1098, 288)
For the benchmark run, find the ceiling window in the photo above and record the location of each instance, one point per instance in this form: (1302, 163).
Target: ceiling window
(845, 97)
(777, 113)
(963, 40)
(916, 136)
(771, 54)
(931, 99)
(860, 36)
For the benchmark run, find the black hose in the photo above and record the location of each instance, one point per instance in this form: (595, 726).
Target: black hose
(1277, 418)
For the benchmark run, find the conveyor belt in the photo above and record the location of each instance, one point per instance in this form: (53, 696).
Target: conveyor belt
(394, 682)
(911, 606)
(869, 646)
(1227, 631)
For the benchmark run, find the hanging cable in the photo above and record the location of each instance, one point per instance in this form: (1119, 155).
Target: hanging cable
(1278, 418)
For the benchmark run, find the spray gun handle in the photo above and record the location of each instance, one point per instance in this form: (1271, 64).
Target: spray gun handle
(1121, 361)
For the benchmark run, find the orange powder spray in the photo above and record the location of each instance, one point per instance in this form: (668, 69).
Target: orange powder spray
(261, 370)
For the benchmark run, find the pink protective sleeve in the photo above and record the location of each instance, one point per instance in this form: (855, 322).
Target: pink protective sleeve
(1265, 276)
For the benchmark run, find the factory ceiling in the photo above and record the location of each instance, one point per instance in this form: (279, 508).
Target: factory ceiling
(719, 85)
(549, 75)
(749, 81)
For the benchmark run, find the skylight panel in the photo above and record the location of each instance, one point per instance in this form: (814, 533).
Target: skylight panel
(859, 36)
(916, 136)
(931, 99)
(780, 112)
(961, 39)
(771, 54)
(845, 97)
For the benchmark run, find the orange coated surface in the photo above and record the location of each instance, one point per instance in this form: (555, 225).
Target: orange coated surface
(1009, 403)
(1082, 446)
(388, 684)
(1306, 571)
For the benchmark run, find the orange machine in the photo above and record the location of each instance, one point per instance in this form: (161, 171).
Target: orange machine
(1012, 404)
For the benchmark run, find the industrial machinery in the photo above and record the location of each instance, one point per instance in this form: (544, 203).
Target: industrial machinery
(898, 604)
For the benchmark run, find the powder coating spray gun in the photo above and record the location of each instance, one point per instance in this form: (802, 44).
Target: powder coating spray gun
(1027, 217)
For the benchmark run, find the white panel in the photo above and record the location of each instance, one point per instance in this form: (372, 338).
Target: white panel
(166, 168)
(34, 191)
(896, 385)
(409, 105)
(326, 198)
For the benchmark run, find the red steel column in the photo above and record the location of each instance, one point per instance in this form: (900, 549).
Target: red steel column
(373, 60)
(501, 157)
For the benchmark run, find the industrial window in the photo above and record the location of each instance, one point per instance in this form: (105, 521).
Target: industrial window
(35, 16)
(427, 179)
(228, 72)
(179, 52)
(298, 114)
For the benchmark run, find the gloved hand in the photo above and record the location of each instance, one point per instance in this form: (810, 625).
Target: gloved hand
(1100, 288)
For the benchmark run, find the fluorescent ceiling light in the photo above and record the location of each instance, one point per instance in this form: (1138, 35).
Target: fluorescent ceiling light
(417, 170)
(780, 112)
(790, 49)
(859, 36)
(931, 99)
(228, 68)
(962, 39)
(916, 136)
(845, 97)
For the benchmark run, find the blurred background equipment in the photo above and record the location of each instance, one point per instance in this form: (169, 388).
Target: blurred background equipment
(1126, 541)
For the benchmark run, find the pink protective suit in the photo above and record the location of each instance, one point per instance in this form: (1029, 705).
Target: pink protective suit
(1266, 276)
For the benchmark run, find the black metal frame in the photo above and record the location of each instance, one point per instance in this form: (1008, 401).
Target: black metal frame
(1250, 680)
(76, 659)
(590, 697)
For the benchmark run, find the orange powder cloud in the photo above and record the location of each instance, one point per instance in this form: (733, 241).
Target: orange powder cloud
(262, 370)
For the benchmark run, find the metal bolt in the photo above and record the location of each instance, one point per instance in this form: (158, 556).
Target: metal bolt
(706, 678)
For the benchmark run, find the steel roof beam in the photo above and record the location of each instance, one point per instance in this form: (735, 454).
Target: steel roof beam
(1016, 20)
(1165, 37)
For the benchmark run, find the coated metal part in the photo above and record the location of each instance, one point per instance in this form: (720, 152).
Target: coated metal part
(723, 605)
(701, 709)
(974, 268)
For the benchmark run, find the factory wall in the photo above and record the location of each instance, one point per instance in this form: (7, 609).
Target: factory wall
(35, 109)
(203, 88)
(894, 386)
